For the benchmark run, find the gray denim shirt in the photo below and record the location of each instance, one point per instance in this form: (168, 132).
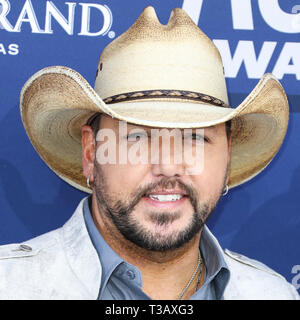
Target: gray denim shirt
(123, 281)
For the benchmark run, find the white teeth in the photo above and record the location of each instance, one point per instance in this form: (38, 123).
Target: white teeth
(165, 197)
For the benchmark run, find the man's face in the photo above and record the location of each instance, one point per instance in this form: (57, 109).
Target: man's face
(159, 206)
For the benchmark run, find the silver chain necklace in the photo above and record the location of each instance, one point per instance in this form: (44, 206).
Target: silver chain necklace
(193, 277)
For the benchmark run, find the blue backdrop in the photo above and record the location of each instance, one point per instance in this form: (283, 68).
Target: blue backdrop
(260, 218)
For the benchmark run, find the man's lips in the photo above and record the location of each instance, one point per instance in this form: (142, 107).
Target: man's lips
(166, 198)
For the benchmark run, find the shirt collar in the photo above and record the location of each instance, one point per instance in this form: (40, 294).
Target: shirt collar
(108, 257)
(217, 270)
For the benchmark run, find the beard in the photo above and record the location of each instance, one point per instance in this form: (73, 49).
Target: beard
(119, 213)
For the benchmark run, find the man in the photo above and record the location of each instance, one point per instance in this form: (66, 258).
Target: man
(142, 233)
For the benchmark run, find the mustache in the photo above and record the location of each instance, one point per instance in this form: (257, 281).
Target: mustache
(165, 184)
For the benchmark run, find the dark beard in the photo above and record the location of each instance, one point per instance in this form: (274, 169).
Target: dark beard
(119, 213)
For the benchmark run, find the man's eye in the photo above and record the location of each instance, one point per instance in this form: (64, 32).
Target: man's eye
(196, 137)
(136, 136)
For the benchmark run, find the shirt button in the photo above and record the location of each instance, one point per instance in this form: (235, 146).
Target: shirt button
(130, 274)
(120, 272)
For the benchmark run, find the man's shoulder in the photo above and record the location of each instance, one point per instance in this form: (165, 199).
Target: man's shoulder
(251, 279)
(50, 244)
(60, 264)
(29, 248)
(24, 265)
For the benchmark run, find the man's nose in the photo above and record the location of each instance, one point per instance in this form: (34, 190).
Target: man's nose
(167, 160)
(167, 170)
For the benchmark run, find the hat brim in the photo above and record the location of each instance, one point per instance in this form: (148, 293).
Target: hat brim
(57, 101)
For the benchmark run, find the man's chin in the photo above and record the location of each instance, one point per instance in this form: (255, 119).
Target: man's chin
(162, 237)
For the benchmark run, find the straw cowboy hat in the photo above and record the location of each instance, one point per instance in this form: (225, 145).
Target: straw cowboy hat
(154, 75)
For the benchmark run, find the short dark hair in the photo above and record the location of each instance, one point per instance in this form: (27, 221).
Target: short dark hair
(94, 123)
(228, 129)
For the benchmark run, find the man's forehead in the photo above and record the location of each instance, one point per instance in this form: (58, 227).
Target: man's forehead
(115, 124)
(149, 129)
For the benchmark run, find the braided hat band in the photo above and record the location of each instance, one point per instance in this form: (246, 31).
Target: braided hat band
(180, 94)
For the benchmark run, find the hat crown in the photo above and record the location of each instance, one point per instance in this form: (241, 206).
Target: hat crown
(153, 56)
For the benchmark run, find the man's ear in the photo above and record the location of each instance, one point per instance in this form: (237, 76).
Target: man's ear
(88, 151)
